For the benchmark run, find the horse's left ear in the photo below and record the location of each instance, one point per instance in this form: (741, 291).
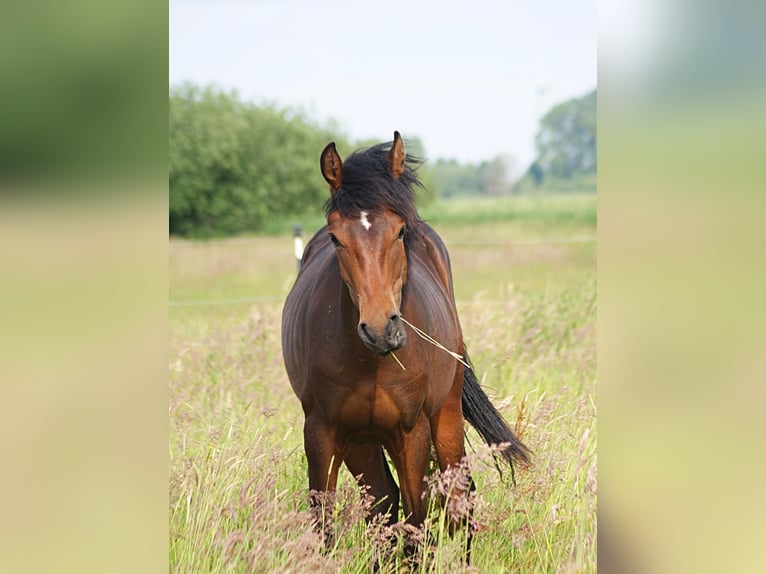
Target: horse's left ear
(397, 156)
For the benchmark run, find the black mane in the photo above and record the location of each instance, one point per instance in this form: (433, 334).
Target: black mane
(368, 185)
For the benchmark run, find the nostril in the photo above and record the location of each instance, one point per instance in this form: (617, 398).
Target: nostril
(364, 332)
(394, 317)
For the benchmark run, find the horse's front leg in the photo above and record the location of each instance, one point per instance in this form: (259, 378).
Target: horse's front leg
(368, 465)
(449, 443)
(324, 457)
(410, 453)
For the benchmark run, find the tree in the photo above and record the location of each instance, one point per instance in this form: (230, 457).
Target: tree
(566, 140)
(235, 164)
(494, 175)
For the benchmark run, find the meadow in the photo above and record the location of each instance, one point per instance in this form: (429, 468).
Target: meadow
(525, 280)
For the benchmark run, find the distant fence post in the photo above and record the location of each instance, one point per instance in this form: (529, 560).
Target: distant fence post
(298, 244)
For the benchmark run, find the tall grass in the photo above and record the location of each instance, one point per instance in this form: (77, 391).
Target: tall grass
(238, 486)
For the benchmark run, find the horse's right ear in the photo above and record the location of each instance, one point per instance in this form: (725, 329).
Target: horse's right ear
(332, 167)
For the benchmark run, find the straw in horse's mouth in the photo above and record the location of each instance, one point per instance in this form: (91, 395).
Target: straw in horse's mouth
(428, 338)
(397, 360)
(425, 336)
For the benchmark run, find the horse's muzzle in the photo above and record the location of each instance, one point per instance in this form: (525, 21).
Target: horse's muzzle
(383, 340)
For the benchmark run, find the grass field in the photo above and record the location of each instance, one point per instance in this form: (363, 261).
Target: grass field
(524, 273)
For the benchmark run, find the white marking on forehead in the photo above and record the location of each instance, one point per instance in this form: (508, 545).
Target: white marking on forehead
(365, 222)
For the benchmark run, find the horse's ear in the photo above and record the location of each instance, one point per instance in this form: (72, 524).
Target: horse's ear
(397, 156)
(332, 167)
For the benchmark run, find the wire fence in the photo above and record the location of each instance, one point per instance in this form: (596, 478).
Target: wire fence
(464, 243)
(521, 242)
(226, 301)
(280, 298)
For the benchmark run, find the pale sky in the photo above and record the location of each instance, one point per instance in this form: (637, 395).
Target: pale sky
(470, 78)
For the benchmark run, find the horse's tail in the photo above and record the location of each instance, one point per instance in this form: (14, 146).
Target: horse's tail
(479, 411)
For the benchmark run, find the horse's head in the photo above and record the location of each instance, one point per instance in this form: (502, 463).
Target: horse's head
(370, 247)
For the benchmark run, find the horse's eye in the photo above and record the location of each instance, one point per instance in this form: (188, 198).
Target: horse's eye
(402, 231)
(334, 240)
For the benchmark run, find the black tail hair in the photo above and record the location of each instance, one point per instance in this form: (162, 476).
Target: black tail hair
(479, 411)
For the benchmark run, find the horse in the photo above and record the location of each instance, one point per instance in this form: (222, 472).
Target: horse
(365, 384)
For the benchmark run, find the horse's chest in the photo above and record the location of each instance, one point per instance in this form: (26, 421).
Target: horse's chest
(380, 408)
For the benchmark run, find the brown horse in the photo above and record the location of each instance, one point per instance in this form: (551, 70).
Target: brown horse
(372, 271)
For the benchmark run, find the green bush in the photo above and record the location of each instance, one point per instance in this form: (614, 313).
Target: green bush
(234, 165)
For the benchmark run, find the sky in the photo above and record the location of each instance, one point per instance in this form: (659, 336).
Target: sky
(471, 79)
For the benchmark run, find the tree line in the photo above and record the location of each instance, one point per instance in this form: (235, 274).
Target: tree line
(566, 146)
(233, 165)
